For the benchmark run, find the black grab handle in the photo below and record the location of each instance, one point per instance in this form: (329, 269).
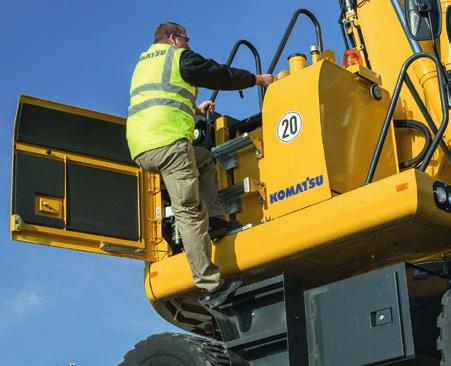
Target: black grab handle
(258, 69)
(283, 42)
(403, 77)
(258, 66)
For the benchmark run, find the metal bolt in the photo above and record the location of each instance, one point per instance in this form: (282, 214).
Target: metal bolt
(376, 91)
(18, 223)
(381, 317)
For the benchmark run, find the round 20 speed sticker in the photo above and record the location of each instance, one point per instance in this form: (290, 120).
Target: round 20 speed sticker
(289, 127)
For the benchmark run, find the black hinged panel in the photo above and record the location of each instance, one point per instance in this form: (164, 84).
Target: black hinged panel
(33, 176)
(363, 320)
(101, 201)
(71, 132)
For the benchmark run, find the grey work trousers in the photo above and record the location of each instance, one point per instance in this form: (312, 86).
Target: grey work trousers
(190, 178)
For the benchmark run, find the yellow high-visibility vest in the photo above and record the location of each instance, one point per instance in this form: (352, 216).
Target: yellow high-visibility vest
(162, 104)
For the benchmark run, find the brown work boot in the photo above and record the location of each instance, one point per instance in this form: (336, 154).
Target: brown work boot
(218, 227)
(219, 296)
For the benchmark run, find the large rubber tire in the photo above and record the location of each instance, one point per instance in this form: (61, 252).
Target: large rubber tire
(444, 324)
(172, 349)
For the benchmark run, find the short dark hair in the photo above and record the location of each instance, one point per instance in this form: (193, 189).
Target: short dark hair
(164, 30)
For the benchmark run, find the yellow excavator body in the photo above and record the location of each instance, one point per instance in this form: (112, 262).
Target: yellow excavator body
(335, 179)
(375, 225)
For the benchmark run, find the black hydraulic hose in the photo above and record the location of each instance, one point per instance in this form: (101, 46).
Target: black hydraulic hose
(416, 48)
(258, 69)
(427, 116)
(283, 42)
(391, 110)
(420, 127)
(343, 33)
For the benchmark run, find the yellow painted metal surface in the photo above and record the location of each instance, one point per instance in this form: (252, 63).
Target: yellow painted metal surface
(336, 141)
(151, 217)
(150, 245)
(351, 122)
(251, 204)
(293, 168)
(225, 178)
(297, 63)
(444, 44)
(310, 213)
(48, 206)
(390, 220)
(385, 42)
(328, 55)
(365, 73)
(68, 239)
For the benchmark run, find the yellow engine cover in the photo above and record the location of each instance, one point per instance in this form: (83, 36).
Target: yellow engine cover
(320, 128)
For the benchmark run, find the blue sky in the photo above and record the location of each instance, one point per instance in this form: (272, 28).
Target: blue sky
(59, 306)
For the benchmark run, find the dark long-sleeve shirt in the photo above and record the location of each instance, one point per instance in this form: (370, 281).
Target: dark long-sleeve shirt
(207, 73)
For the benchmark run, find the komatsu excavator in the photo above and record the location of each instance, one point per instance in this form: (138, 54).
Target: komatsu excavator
(342, 184)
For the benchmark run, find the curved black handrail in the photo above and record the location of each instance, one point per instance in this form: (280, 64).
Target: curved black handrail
(258, 69)
(391, 110)
(427, 116)
(258, 66)
(283, 42)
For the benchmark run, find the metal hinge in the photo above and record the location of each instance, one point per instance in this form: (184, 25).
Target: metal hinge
(116, 248)
(17, 224)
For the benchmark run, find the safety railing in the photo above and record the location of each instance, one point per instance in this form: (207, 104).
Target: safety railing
(258, 69)
(286, 36)
(258, 66)
(404, 78)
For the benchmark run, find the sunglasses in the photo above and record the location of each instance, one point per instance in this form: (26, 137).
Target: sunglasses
(182, 37)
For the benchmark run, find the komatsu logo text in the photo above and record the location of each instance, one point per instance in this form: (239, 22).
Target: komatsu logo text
(307, 184)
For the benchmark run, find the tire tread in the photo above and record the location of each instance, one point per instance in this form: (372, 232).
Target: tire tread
(191, 350)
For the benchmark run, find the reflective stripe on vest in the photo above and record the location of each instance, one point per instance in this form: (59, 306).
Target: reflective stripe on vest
(164, 86)
(160, 101)
(161, 108)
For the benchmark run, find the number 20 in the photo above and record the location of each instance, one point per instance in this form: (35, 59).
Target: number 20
(291, 125)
